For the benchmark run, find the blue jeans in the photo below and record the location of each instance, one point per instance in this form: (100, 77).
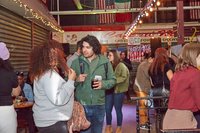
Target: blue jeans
(116, 100)
(95, 114)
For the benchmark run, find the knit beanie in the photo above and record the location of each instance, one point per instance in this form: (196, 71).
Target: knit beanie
(4, 53)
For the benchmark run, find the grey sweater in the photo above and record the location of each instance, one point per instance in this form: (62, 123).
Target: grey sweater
(54, 99)
(142, 81)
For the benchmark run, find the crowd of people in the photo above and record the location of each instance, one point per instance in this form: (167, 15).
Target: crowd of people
(99, 83)
(181, 80)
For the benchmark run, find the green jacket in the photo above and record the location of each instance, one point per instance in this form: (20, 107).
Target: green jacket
(84, 92)
(122, 76)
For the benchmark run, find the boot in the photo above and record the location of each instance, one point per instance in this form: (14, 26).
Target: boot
(119, 129)
(108, 129)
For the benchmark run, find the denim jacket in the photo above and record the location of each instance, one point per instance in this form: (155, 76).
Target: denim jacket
(28, 92)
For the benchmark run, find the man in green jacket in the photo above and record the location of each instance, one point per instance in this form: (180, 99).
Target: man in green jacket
(90, 65)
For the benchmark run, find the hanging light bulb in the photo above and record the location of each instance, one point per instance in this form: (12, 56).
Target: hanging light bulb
(140, 21)
(158, 3)
(147, 14)
(151, 9)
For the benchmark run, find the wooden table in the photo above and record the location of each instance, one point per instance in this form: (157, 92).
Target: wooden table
(25, 116)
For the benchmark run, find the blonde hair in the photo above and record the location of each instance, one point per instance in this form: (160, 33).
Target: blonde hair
(188, 56)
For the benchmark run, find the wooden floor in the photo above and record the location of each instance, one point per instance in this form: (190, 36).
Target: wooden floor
(129, 120)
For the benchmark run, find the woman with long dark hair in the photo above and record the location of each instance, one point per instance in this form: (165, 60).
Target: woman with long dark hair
(8, 88)
(160, 72)
(52, 94)
(117, 96)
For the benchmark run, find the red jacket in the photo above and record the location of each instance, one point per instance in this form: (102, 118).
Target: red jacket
(185, 90)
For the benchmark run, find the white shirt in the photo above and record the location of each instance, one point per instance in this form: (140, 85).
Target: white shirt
(54, 99)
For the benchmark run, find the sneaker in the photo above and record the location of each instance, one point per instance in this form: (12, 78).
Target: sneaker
(149, 125)
(144, 127)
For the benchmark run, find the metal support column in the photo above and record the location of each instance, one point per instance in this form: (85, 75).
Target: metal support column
(180, 21)
(58, 9)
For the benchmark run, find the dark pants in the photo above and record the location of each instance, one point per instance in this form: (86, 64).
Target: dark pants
(197, 116)
(159, 92)
(58, 127)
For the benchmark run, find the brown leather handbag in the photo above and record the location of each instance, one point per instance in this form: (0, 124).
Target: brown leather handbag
(78, 118)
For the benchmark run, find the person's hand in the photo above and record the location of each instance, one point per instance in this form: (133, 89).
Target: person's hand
(71, 74)
(97, 85)
(71, 128)
(81, 77)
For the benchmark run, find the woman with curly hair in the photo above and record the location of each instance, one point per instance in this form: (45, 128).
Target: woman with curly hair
(185, 89)
(8, 88)
(52, 94)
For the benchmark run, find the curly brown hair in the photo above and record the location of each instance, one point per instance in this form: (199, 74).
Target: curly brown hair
(41, 58)
(93, 42)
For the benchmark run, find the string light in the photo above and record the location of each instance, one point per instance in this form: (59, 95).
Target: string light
(37, 16)
(158, 3)
(151, 9)
(143, 12)
(147, 14)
